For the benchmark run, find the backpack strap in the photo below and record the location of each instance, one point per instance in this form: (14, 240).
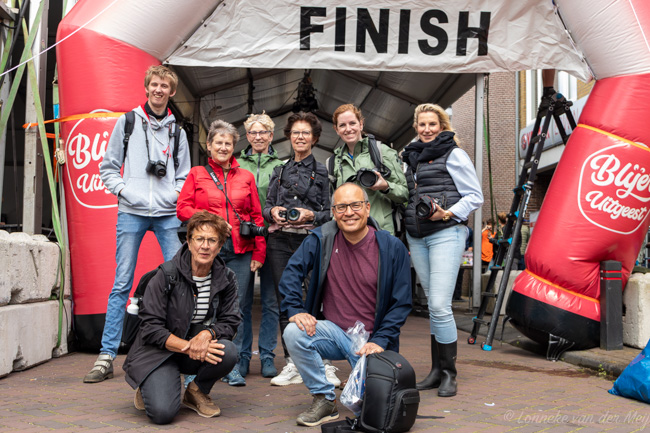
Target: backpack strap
(176, 133)
(128, 129)
(171, 276)
(375, 155)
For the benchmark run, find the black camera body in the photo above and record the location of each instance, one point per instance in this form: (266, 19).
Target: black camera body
(249, 230)
(426, 206)
(367, 177)
(291, 214)
(159, 168)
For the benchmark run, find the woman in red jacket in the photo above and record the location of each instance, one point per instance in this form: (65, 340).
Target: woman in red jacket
(225, 189)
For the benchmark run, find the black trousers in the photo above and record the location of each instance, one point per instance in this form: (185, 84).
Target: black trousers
(279, 249)
(161, 390)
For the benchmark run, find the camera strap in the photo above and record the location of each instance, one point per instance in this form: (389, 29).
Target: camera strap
(221, 188)
(146, 142)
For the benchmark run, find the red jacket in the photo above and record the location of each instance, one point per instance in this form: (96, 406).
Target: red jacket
(200, 193)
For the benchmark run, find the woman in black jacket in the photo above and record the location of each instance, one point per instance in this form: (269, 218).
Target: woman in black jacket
(187, 327)
(443, 192)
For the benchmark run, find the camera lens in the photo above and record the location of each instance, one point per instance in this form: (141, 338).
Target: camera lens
(367, 178)
(425, 207)
(293, 214)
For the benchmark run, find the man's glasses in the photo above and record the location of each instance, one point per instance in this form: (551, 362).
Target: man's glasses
(355, 206)
(299, 133)
(199, 241)
(259, 133)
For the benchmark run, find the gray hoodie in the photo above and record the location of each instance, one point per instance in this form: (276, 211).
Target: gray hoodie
(139, 192)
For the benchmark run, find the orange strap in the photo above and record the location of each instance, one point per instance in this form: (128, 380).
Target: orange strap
(75, 117)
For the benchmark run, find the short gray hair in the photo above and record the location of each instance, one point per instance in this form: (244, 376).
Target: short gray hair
(223, 127)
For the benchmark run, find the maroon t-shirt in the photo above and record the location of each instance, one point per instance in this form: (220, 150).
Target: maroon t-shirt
(350, 289)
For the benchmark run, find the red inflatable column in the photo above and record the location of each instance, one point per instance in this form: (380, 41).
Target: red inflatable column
(596, 209)
(96, 74)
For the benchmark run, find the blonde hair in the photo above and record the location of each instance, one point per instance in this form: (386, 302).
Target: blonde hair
(162, 72)
(443, 117)
(263, 119)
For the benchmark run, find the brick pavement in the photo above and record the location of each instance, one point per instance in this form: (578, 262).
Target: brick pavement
(507, 389)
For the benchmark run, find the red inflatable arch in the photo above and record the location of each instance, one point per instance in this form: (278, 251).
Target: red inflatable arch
(596, 209)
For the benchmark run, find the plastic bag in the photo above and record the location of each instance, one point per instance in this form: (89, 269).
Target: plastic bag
(358, 335)
(634, 382)
(352, 395)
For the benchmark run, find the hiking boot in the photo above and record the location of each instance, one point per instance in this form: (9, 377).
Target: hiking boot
(320, 411)
(102, 370)
(200, 403)
(330, 374)
(268, 368)
(138, 402)
(288, 376)
(234, 378)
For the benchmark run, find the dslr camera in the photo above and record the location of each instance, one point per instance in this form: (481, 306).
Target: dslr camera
(367, 177)
(426, 206)
(159, 168)
(248, 229)
(291, 214)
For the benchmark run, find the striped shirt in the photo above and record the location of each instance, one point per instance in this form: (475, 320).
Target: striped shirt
(202, 299)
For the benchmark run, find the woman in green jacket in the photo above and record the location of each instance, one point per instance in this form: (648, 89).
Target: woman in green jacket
(260, 159)
(389, 187)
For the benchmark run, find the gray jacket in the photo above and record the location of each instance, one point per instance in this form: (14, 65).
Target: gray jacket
(139, 192)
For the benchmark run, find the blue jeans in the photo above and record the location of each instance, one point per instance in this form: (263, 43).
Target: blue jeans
(329, 342)
(240, 264)
(130, 231)
(268, 336)
(436, 259)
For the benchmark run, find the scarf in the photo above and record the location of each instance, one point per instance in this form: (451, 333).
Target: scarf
(418, 151)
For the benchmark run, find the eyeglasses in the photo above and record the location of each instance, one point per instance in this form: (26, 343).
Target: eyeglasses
(199, 241)
(259, 133)
(299, 133)
(355, 206)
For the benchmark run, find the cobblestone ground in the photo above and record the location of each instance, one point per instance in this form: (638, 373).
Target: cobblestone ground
(507, 389)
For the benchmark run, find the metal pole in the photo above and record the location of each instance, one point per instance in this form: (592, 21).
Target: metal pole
(33, 185)
(478, 163)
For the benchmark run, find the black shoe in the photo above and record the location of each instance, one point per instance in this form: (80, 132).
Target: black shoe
(433, 378)
(448, 353)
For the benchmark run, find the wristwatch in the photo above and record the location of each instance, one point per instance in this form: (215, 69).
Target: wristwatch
(447, 216)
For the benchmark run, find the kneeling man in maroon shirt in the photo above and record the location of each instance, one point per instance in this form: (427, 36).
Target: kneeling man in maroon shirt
(359, 272)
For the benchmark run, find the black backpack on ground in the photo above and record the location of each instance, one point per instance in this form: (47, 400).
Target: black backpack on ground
(132, 321)
(390, 402)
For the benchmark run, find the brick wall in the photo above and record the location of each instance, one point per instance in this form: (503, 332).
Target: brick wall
(502, 110)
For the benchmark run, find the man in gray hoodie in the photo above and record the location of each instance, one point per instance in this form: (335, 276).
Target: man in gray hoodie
(146, 193)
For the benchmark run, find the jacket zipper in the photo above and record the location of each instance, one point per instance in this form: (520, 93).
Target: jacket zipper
(259, 161)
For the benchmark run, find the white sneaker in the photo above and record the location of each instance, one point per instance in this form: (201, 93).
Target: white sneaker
(288, 376)
(330, 373)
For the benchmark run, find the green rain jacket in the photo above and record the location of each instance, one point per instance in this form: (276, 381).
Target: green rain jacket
(261, 165)
(380, 203)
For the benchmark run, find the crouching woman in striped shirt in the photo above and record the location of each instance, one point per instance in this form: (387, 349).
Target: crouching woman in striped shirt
(188, 323)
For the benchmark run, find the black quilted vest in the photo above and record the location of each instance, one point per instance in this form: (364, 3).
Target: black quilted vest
(433, 180)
